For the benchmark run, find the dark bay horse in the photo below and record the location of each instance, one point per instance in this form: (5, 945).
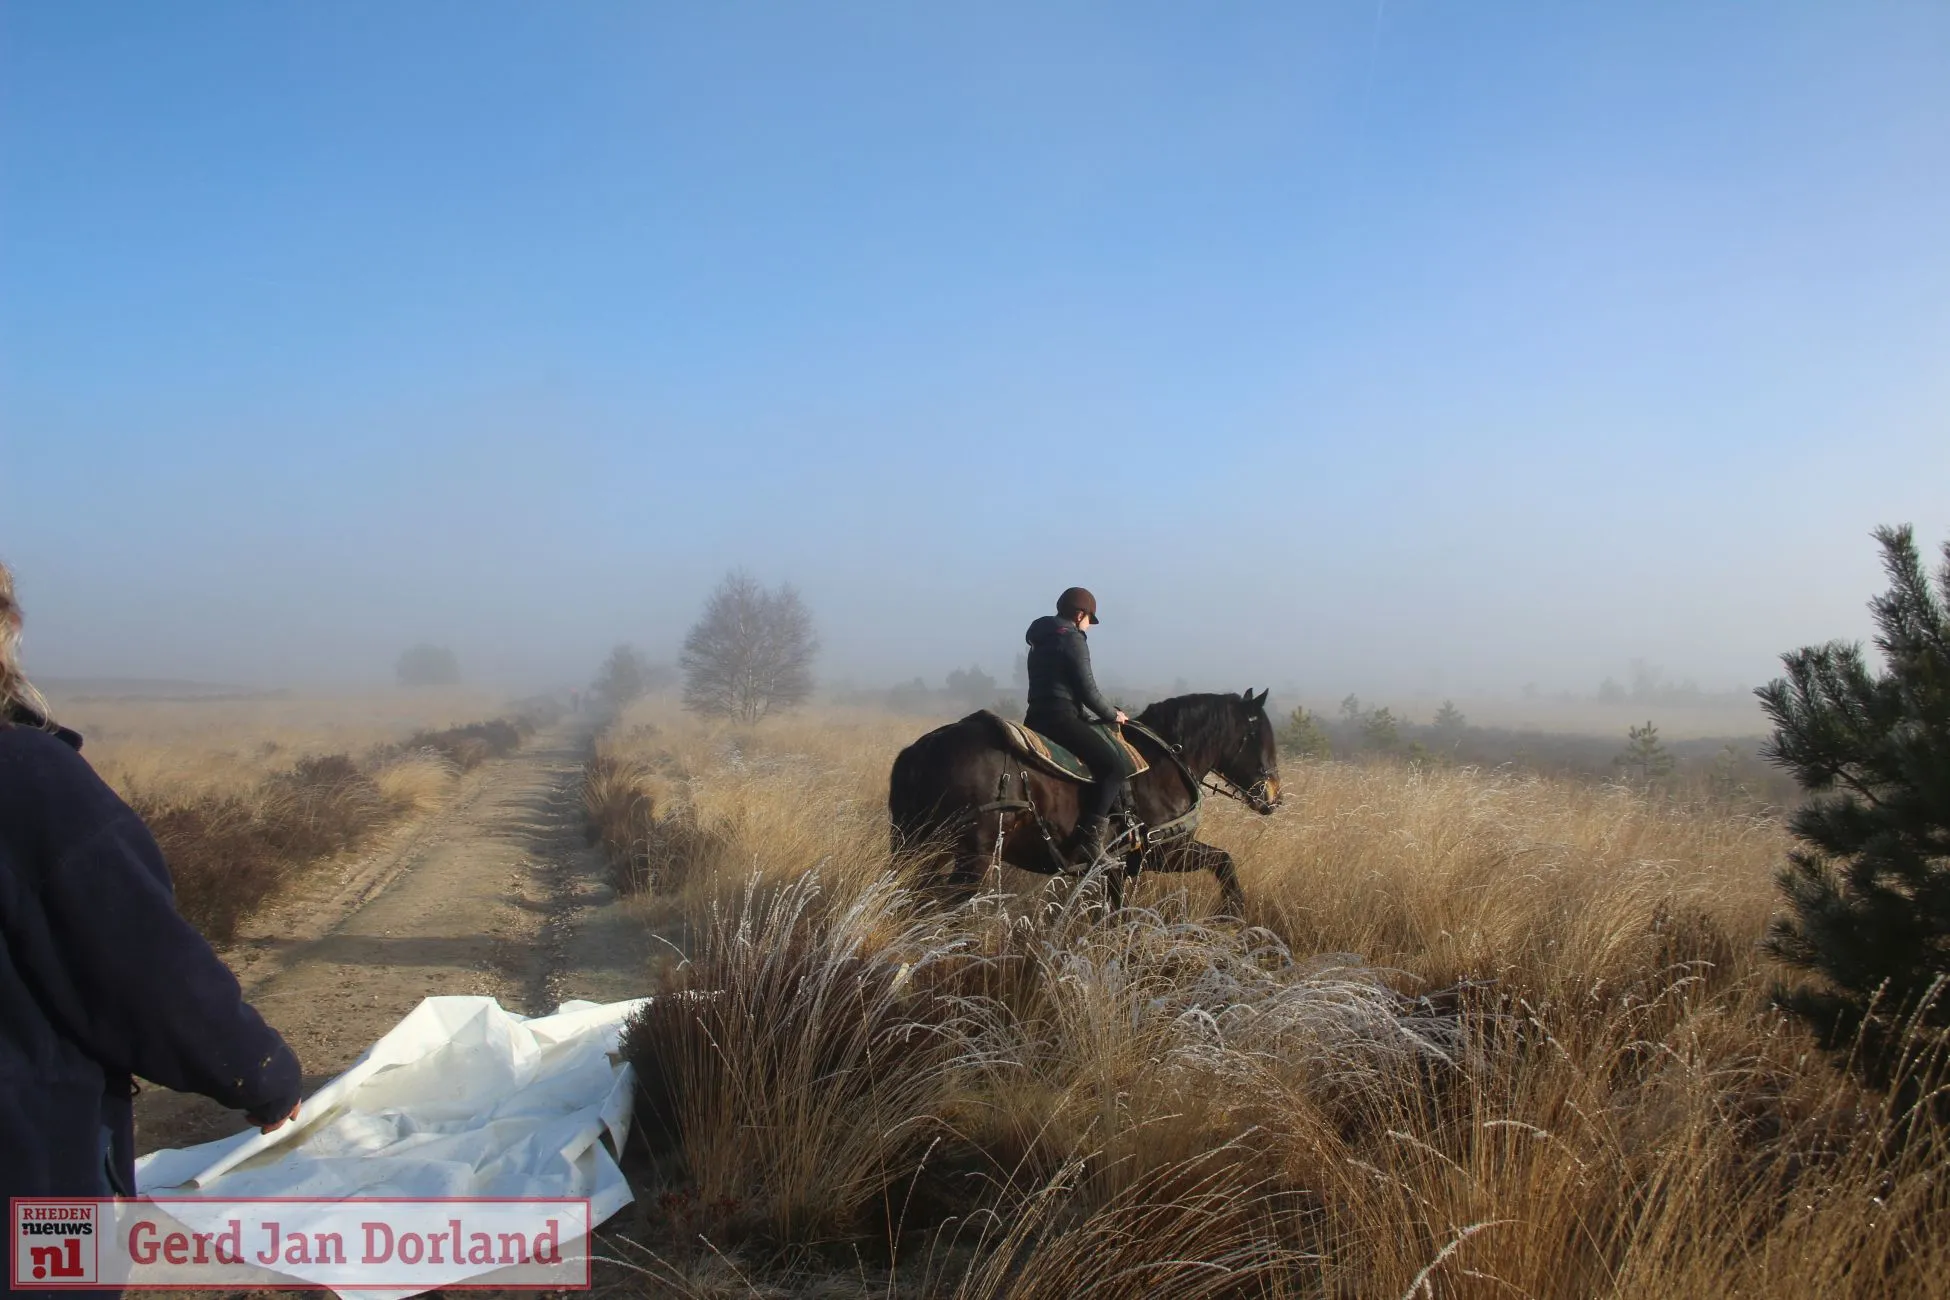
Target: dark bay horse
(964, 790)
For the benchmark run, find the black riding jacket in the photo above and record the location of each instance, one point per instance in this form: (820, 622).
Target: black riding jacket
(1059, 668)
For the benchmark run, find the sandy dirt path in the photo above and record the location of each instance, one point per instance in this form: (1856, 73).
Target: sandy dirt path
(493, 894)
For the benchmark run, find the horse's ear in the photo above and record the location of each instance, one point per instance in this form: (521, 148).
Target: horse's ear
(1261, 701)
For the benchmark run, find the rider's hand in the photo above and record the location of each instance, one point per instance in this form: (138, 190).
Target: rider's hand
(1122, 717)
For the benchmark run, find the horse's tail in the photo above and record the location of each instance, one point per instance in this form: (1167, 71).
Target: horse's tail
(913, 794)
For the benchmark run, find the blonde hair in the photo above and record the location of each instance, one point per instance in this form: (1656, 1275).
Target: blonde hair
(15, 690)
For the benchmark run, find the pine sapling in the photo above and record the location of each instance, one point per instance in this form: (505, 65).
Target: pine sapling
(1868, 890)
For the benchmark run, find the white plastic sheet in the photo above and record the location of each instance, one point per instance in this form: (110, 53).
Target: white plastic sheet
(461, 1098)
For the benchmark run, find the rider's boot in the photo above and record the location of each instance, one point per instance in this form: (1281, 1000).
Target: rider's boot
(1088, 842)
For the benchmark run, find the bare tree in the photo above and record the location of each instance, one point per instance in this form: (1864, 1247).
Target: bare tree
(624, 676)
(752, 652)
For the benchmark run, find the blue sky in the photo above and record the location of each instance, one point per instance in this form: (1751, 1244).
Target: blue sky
(1358, 345)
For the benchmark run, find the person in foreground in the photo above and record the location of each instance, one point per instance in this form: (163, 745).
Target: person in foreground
(100, 978)
(1061, 689)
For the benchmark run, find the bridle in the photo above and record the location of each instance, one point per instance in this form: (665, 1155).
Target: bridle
(1254, 796)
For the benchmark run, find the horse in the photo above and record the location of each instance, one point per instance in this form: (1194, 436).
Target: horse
(965, 793)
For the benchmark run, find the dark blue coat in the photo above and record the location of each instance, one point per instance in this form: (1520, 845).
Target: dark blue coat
(101, 979)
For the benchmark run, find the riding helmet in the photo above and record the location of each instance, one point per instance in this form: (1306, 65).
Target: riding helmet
(1077, 600)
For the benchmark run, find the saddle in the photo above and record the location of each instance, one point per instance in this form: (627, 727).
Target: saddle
(1046, 756)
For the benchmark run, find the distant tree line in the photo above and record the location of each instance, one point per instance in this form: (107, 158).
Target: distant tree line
(962, 691)
(1647, 684)
(1730, 769)
(427, 665)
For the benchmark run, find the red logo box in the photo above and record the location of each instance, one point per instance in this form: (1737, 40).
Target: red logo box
(55, 1242)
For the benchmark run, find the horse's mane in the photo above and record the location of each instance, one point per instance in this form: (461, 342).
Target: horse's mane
(1190, 721)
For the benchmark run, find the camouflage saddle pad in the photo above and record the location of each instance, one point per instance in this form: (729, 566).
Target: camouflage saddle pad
(1050, 757)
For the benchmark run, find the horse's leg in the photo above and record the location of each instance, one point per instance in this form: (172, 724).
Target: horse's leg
(1231, 897)
(942, 863)
(970, 848)
(974, 853)
(1036, 843)
(1195, 855)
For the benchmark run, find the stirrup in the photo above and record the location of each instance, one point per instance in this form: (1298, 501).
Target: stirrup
(1117, 842)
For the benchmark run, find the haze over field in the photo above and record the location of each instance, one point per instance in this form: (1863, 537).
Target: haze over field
(1400, 347)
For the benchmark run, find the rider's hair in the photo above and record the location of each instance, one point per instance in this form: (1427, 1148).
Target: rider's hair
(15, 690)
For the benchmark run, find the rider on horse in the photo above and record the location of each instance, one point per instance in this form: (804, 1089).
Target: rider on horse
(1061, 689)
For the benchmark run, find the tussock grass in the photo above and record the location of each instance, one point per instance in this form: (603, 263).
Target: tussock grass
(414, 783)
(469, 746)
(228, 853)
(1478, 1034)
(646, 851)
(797, 1071)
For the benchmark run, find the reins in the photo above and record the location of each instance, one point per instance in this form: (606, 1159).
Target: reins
(1254, 798)
(1217, 782)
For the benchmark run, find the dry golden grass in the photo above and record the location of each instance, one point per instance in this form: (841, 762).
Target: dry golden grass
(415, 782)
(167, 748)
(1480, 1036)
(240, 793)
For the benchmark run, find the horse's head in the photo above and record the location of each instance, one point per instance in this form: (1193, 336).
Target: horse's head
(1249, 759)
(1223, 736)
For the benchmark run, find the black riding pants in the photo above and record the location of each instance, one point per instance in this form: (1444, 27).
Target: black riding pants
(1064, 724)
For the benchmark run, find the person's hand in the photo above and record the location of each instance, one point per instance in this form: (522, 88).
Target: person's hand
(1122, 717)
(277, 1124)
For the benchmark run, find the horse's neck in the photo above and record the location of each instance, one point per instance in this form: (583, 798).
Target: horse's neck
(1201, 747)
(1205, 754)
